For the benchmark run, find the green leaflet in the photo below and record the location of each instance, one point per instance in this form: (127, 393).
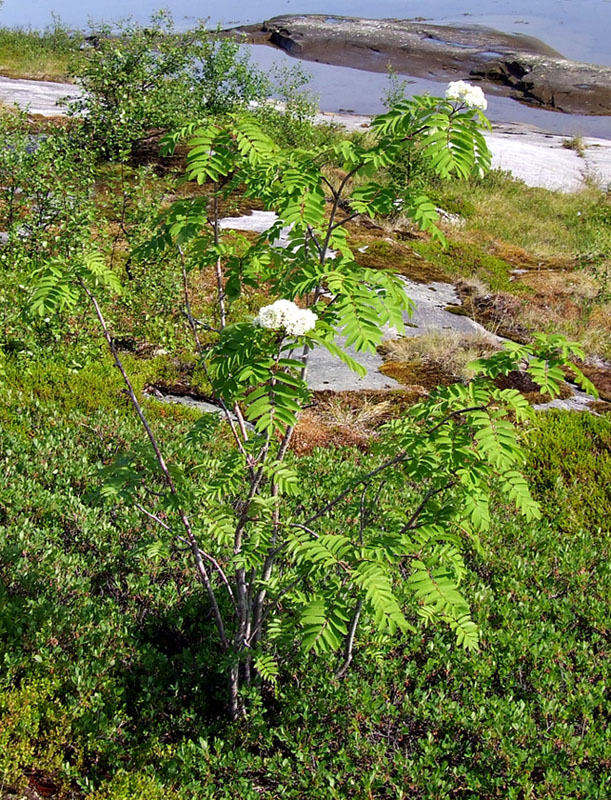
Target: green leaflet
(267, 667)
(57, 285)
(324, 626)
(377, 586)
(435, 587)
(54, 290)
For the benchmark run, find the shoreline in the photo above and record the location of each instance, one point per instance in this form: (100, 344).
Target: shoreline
(539, 158)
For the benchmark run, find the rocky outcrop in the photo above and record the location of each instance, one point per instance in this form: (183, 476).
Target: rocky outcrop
(522, 66)
(553, 83)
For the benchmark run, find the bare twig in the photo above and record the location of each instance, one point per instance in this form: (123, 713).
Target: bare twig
(345, 220)
(337, 196)
(350, 640)
(430, 494)
(330, 185)
(152, 516)
(255, 633)
(201, 569)
(332, 503)
(305, 528)
(314, 238)
(220, 571)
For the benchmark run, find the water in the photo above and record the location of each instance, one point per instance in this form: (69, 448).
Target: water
(578, 30)
(358, 92)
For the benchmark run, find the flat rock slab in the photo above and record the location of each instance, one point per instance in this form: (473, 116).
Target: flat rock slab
(522, 66)
(202, 406)
(256, 222)
(186, 400)
(430, 313)
(544, 160)
(39, 97)
(328, 372)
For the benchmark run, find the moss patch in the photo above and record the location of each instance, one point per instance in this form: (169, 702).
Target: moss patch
(384, 251)
(415, 373)
(469, 258)
(459, 311)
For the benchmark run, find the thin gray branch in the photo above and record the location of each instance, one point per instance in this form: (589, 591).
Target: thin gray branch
(350, 641)
(201, 569)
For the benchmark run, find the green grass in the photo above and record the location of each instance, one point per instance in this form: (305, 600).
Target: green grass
(40, 55)
(547, 224)
(469, 259)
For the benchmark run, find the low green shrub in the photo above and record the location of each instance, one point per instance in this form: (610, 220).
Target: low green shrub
(135, 78)
(111, 688)
(570, 462)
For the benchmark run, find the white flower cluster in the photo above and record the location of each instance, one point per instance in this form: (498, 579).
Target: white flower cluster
(466, 93)
(286, 315)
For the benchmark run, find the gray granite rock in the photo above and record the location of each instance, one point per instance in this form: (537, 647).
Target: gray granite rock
(326, 371)
(579, 401)
(430, 314)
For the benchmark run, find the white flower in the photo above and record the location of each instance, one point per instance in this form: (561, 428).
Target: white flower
(284, 314)
(466, 93)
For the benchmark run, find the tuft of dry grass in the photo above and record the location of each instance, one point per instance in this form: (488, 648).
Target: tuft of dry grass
(575, 143)
(363, 418)
(311, 432)
(340, 419)
(448, 351)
